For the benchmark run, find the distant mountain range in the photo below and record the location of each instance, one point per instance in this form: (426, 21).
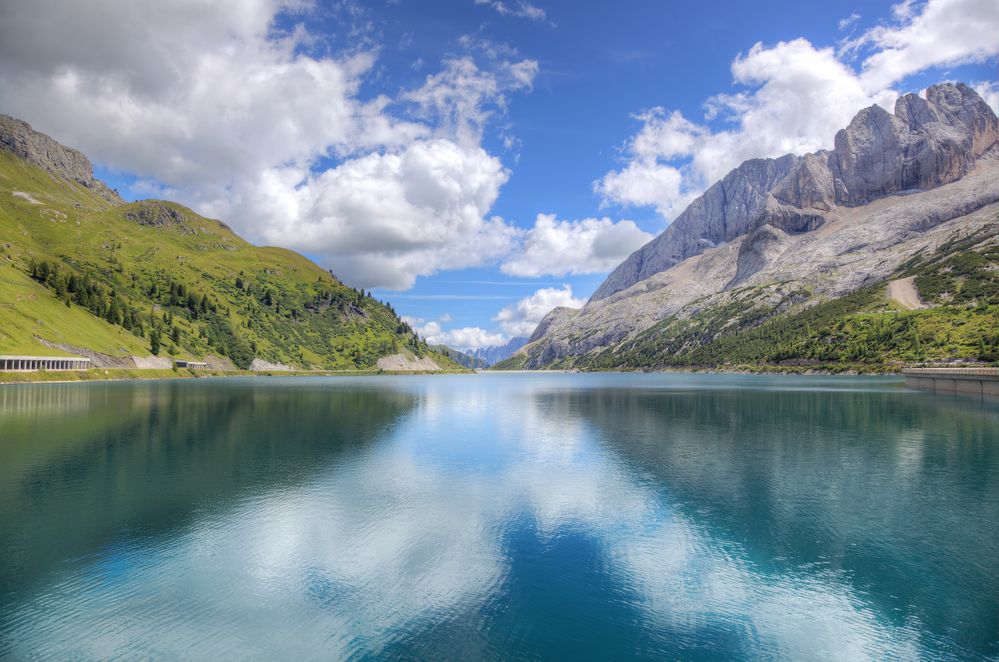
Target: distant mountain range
(461, 358)
(880, 251)
(483, 357)
(135, 284)
(497, 353)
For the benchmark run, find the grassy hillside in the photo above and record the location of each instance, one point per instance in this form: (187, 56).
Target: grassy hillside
(153, 276)
(863, 331)
(514, 362)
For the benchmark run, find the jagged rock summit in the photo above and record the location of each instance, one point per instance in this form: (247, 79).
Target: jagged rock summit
(496, 353)
(927, 143)
(775, 233)
(39, 149)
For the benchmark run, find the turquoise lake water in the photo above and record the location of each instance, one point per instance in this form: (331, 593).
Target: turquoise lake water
(466, 517)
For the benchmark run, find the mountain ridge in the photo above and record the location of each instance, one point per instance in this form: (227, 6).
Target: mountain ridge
(17, 137)
(777, 234)
(926, 143)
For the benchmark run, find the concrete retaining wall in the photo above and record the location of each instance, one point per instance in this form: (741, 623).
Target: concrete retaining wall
(974, 382)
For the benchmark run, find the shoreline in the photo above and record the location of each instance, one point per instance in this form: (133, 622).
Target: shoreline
(135, 374)
(804, 371)
(847, 370)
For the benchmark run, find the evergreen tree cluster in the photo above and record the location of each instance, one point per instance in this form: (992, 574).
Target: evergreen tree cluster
(80, 289)
(258, 315)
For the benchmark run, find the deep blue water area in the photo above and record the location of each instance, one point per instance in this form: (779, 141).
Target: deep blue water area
(498, 516)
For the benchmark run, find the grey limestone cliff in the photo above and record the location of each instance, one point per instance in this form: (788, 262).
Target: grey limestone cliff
(721, 214)
(39, 149)
(556, 317)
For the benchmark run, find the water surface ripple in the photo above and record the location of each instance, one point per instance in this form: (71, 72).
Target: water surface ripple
(498, 517)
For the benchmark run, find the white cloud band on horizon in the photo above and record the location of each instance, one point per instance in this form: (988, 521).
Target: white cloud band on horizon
(516, 320)
(463, 338)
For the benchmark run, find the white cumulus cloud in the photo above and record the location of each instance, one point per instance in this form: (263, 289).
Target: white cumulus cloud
(554, 247)
(989, 90)
(385, 218)
(943, 33)
(521, 318)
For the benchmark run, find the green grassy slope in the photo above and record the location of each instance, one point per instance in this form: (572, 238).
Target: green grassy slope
(862, 331)
(513, 362)
(77, 270)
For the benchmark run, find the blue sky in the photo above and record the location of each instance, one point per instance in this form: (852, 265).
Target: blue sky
(412, 145)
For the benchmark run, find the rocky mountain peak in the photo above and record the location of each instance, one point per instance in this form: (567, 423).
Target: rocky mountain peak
(961, 104)
(18, 137)
(725, 211)
(926, 143)
(867, 154)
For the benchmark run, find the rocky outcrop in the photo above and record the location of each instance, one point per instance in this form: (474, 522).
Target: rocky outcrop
(158, 214)
(761, 247)
(39, 149)
(824, 224)
(405, 363)
(260, 365)
(927, 143)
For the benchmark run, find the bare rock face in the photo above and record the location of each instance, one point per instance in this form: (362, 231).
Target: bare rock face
(557, 323)
(39, 149)
(869, 155)
(761, 247)
(261, 365)
(152, 362)
(926, 143)
(404, 363)
(158, 214)
(220, 363)
(726, 210)
(811, 184)
(556, 317)
(961, 105)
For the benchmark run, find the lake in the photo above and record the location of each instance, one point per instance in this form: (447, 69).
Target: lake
(517, 516)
